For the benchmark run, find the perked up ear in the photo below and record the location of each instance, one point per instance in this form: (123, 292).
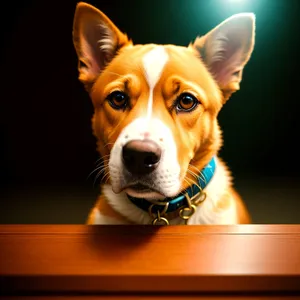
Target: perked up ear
(226, 49)
(96, 40)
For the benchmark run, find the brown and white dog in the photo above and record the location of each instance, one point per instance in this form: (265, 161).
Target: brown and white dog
(155, 120)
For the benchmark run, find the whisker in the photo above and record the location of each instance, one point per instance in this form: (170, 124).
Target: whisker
(197, 177)
(200, 173)
(103, 162)
(191, 181)
(201, 176)
(191, 165)
(108, 177)
(193, 174)
(100, 167)
(105, 171)
(105, 175)
(96, 169)
(185, 190)
(102, 157)
(108, 144)
(99, 159)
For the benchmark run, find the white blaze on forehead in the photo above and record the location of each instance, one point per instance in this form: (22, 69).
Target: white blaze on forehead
(154, 62)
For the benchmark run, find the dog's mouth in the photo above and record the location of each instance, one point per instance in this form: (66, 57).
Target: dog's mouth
(141, 190)
(139, 187)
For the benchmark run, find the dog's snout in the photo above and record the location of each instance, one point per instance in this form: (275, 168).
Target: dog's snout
(141, 157)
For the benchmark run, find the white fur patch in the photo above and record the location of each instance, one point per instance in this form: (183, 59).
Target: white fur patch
(154, 62)
(125, 207)
(166, 176)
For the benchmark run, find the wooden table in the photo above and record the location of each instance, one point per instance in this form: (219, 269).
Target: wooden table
(147, 262)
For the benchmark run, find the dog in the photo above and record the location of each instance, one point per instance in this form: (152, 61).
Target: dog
(155, 121)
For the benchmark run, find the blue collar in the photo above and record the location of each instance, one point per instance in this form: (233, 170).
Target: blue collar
(176, 202)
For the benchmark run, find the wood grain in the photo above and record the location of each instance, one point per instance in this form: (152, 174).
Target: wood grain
(75, 258)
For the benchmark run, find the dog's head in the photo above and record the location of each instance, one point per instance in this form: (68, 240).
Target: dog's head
(156, 106)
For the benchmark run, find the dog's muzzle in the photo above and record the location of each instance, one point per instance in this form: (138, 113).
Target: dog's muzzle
(141, 157)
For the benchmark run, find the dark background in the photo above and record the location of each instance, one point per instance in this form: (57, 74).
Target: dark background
(46, 146)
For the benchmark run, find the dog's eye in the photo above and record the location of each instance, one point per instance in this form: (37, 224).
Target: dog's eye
(186, 102)
(118, 100)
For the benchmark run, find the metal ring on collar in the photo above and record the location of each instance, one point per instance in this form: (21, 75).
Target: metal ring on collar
(189, 210)
(161, 213)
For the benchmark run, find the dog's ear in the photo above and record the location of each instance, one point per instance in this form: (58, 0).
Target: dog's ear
(226, 49)
(96, 40)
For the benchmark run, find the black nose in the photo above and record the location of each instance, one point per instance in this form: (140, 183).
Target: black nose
(141, 157)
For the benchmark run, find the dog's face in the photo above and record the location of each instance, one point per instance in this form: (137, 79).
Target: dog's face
(156, 106)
